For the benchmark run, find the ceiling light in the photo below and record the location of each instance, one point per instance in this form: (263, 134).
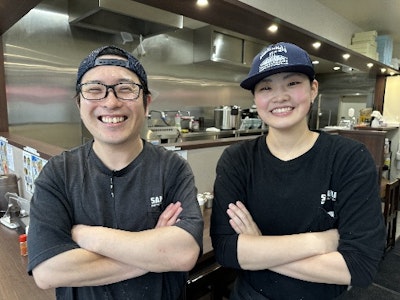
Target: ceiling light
(273, 28)
(316, 45)
(202, 3)
(346, 56)
(337, 68)
(315, 62)
(370, 65)
(383, 70)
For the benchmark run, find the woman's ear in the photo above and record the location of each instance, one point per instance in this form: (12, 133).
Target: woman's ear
(314, 90)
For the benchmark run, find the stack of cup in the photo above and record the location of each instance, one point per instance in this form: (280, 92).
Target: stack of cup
(209, 197)
(202, 202)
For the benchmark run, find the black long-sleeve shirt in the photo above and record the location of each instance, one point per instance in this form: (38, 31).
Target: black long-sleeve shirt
(333, 185)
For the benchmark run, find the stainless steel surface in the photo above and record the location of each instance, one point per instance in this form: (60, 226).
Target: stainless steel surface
(42, 53)
(116, 16)
(172, 135)
(8, 184)
(209, 135)
(215, 45)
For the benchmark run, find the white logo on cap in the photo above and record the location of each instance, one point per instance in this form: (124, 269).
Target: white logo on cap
(273, 59)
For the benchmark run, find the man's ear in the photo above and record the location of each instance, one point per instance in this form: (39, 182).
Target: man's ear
(147, 103)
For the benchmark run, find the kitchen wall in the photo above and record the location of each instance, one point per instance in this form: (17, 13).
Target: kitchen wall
(332, 88)
(42, 52)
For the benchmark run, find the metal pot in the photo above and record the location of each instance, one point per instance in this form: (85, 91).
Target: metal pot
(227, 117)
(222, 117)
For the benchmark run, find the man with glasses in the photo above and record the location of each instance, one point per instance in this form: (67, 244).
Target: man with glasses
(116, 218)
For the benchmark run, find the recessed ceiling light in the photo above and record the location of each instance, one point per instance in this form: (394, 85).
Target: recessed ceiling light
(315, 62)
(336, 68)
(202, 3)
(370, 65)
(316, 45)
(273, 28)
(346, 56)
(383, 70)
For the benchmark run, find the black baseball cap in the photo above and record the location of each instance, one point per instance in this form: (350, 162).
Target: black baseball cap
(130, 62)
(278, 58)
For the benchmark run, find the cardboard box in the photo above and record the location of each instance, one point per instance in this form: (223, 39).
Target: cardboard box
(366, 34)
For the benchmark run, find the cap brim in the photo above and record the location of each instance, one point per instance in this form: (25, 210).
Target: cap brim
(250, 82)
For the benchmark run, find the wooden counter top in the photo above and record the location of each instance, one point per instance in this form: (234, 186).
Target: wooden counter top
(15, 282)
(45, 150)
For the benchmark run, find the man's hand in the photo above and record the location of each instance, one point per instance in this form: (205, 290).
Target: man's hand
(170, 215)
(241, 220)
(82, 233)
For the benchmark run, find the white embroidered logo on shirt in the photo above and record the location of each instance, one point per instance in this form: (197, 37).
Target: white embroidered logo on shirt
(327, 201)
(156, 201)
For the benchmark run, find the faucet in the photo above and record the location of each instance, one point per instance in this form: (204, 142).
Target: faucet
(163, 115)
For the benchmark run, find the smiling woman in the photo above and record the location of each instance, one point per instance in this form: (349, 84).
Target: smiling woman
(291, 188)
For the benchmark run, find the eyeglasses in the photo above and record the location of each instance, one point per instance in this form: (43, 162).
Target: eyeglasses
(96, 91)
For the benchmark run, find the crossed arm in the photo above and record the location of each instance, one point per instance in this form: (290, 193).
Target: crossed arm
(110, 255)
(309, 256)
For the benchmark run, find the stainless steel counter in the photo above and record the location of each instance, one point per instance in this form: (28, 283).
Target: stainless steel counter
(172, 135)
(210, 135)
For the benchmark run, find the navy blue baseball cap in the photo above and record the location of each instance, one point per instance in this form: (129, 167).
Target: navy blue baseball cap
(130, 62)
(278, 58)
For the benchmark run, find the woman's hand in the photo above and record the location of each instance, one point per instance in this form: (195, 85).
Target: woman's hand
(241, 220)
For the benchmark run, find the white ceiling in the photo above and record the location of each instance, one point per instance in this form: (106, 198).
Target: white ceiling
(380, 15)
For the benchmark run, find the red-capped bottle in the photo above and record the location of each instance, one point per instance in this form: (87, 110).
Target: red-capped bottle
(23, 245)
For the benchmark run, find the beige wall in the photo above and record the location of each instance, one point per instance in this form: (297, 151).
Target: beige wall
(311, 16)
(203, 162)
(391, 105)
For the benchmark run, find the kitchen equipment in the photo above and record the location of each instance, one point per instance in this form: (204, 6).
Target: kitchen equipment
(17, 207)
(167, 134)
(222, 117)
(227, 117)
(236, 117)
(8, 183)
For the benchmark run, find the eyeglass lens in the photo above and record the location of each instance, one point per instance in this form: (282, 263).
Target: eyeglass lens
(98, 91)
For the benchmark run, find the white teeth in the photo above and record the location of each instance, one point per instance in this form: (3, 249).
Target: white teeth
(112, 119)
(282, 110)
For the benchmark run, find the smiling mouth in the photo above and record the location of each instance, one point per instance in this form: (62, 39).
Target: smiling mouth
(281, 110)
(112, 120)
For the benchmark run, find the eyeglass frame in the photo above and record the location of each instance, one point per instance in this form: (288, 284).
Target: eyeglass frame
(108, 87)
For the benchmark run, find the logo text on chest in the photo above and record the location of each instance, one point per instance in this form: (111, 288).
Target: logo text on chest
(156, 201)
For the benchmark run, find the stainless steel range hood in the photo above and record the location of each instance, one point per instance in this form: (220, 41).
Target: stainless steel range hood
(116, 16)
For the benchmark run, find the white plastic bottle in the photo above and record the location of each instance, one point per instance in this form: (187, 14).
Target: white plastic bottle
(178, 121)
(387, 154)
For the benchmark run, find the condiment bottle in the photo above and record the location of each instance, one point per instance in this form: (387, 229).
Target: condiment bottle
(23, 245)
